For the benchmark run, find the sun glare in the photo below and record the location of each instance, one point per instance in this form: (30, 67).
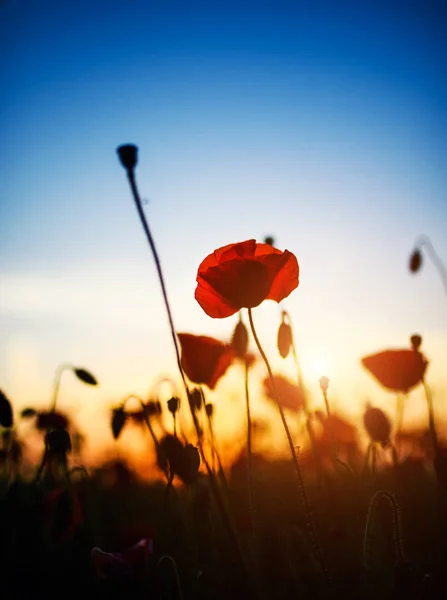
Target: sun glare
(316, 366)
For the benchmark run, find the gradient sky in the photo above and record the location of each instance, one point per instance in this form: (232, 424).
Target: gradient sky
(323, 124)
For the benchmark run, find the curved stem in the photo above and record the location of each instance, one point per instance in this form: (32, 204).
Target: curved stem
(301, 385)
(302, 488)
(144, 223)
(431, 417)
(57, 383)
(425, 241)
(249, 445)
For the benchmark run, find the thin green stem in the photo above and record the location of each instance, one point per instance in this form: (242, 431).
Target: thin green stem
(144, 223)
(57, 383)
(302, 488)
(249, 445)
(431, 417)
(301, 385)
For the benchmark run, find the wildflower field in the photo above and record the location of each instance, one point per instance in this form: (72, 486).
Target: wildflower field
(336, 517)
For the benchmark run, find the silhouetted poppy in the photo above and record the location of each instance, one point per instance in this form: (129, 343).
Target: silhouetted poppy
(204, 358)
(242, 275)
(290, 395)
(51, 420)
(397, 370)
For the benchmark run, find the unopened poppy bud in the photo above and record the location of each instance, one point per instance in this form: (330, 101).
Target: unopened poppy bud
(195, 399)
(173, 404)
(128, 156)
(377, 425)
(239, 341)
(284, 340)
(119, 417)
(415, 261)
(209, 409)
(324, 384)
(269, 240)
(416, 341)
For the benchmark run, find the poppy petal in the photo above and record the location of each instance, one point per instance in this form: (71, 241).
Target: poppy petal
(286, 275)
(205, 359)
(213, 303)
(397, 370)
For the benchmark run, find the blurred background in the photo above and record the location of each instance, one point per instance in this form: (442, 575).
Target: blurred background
(321, 124)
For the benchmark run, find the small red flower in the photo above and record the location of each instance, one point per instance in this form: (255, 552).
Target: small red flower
(204, 358)
(397, 370)
(290, 395)
(243, 275)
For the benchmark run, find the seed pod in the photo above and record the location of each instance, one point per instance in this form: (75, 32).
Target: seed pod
(416, 341)
(377, 425)
(209, 409)
(284, 340)
(269, 240)
(127, 154)
(239, 341)
(324, 384)
(415, 262)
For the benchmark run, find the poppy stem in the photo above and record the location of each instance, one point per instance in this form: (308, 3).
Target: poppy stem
(431, 417)
(144, 223)
(249, 447)
(301, 385)
(218, 497)
(302, 488)
(425, 242)
(57, 383)
(213, 444)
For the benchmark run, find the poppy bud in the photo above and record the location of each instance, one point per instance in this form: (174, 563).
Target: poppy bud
(195, 399)
(128, 156)
(27, 413)
(377, 425)
(284, 340)
(415, 261)
(6, 417)
(269, 240)
(85, 376)
(416, 341)
(324, 384)
(173, 404)
(209, 409)
(119, 418)
(239, 341)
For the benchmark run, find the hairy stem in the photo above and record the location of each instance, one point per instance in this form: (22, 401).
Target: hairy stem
(302, 488)
(144, 223)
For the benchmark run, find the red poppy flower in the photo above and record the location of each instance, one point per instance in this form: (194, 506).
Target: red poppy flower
(290, 395)
(205, 359)
(242, 275)
(397, 370)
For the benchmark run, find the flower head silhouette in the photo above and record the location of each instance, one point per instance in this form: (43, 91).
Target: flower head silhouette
(205, 359)
(243, 275)
(397, 370)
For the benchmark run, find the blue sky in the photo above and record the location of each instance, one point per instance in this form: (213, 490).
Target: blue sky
(324, 126)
